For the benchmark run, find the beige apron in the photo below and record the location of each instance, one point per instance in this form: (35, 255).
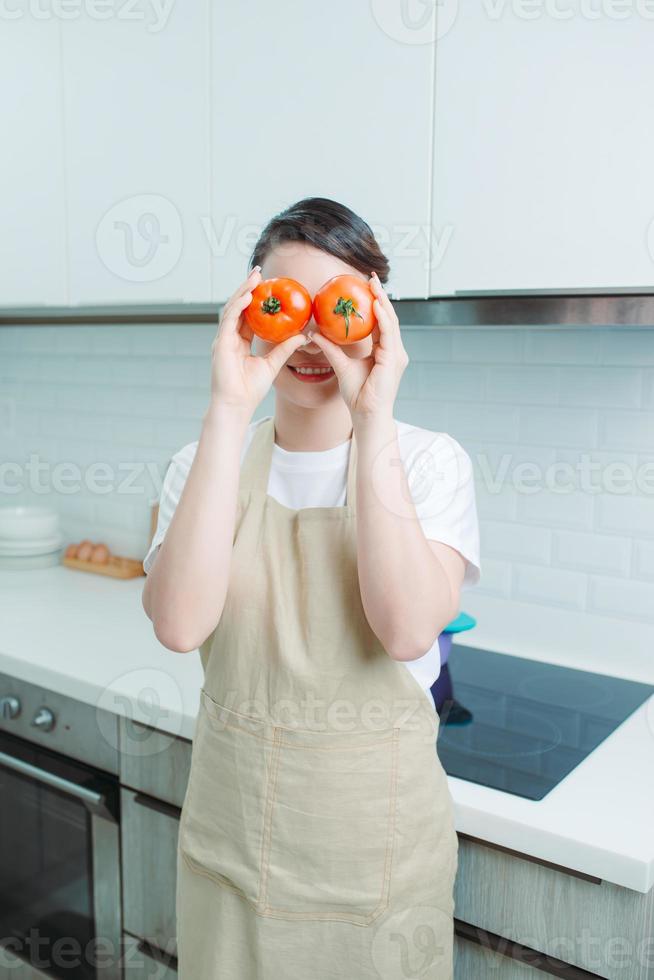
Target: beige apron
(317, 836)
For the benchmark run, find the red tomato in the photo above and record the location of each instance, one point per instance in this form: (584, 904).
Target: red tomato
(279, 309)
(342, 308)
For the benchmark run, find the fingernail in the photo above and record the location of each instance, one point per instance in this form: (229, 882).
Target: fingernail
(257, 268)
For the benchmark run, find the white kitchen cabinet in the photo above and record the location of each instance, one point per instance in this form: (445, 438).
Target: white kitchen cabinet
(331, 100)
(544, 148)
(32, 231)
(136, 122)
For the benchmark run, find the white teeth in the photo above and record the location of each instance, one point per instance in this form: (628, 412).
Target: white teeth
(304, 370)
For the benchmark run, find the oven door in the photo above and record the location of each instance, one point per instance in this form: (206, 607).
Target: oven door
(60, 913)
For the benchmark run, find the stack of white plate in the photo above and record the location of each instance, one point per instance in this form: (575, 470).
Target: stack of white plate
(30, 537)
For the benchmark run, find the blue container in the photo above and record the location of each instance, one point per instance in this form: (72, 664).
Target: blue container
(462, 623)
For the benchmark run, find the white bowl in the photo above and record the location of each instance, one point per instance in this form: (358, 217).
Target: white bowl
(27, 523)
(41, 547)
(25, 562)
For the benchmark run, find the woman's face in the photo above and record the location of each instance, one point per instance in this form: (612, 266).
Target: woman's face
(312, 268)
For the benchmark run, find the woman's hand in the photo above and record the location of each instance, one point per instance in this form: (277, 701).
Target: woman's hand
(240, 379)
(369, 384)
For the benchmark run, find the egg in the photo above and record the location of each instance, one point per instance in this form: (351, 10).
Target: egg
(100, 554)
(71, 551)
(84, 550)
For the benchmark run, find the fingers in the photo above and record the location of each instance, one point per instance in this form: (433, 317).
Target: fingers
(238, 301)
(281, 352)
(388, 323)
(334, 354)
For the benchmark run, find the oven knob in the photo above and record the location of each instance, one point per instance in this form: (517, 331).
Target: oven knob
(10, 706)
(44, 719)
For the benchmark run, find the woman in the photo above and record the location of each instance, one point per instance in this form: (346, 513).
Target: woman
(316, 837)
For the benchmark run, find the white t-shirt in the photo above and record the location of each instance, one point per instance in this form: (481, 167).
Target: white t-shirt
(440, 479)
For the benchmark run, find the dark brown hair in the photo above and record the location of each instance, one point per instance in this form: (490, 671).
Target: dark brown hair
(329, 226)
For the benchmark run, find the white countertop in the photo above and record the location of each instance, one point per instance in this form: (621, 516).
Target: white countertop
(87, 636)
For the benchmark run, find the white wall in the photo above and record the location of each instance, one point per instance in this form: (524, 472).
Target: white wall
(565, 575)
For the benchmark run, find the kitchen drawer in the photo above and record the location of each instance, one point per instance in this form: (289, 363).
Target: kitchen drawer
(149, 830)
(144, 962)
(475, 962)
(594, 925)
(154, 761)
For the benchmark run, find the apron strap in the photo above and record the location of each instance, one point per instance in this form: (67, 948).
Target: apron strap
(256, 465)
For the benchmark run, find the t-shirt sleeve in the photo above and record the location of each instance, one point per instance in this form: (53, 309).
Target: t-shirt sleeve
(441, 481)
(171, 490)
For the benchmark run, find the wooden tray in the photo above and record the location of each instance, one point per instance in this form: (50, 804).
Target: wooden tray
(116, 567)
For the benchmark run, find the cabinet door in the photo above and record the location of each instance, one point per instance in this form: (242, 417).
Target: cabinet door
(149, 830)
(544, 148)
(330, 100)
(475, 962)
(32, 231)
(593, 925)
(136, 89)
(154, 762)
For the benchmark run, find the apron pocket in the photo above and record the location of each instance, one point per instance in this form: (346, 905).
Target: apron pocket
(221, 824)
(329, 825)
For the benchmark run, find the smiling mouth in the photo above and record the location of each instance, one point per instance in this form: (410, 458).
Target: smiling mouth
(311, 373)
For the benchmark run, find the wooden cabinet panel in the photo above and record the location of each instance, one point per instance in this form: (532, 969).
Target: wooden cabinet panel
(601, 928)
(154, 761)
(474, 962)
(149, 831)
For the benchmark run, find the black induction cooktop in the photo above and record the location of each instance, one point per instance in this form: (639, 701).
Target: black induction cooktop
(521, 725)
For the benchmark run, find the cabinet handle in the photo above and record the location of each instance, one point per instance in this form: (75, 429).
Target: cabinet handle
(154, 952)
(152, 803)
(523, 954)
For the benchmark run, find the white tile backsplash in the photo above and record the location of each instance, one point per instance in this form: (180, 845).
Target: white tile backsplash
(120, 400)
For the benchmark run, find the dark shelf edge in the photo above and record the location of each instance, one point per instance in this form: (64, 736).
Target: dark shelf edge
(526, 955)
(573, 309)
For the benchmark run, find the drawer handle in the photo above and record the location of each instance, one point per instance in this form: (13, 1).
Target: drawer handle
(154, 952)
(152, 803)
(523, 954)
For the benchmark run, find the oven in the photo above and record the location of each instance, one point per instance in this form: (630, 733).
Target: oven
(60, 907)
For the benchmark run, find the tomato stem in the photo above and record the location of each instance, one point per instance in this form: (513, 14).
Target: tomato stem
(271, 305)
(346, 307)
